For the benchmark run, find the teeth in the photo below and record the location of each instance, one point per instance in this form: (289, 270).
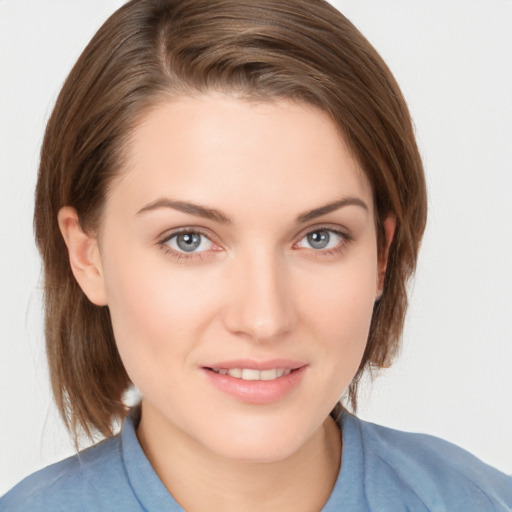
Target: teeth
(235, 372)
(251, 374)
(268, 374)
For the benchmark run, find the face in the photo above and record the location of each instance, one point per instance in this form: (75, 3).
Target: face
(239, 263)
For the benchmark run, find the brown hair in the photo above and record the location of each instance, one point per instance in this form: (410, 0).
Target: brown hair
(263, 49)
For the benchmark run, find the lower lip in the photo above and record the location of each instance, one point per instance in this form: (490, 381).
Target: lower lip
(257, 391)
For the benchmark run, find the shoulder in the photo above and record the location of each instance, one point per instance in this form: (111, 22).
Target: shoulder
(96, 473)
(437, 473)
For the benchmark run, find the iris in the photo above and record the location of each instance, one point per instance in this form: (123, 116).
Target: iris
(319, 239)
(188, 242)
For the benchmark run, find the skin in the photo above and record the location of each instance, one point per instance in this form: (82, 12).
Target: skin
(254, 289)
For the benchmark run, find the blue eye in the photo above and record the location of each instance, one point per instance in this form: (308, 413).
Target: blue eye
(322, 239)
(189, 241)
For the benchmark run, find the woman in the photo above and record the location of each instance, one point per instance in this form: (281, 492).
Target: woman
(229, 205)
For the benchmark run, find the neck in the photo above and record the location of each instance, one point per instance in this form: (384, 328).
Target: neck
(301, 482)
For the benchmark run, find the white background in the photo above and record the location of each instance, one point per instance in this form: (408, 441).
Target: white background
(453, 60)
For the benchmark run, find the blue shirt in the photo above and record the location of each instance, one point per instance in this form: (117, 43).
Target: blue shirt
(382, 470)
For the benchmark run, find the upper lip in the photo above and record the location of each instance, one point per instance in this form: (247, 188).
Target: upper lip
(286, 364)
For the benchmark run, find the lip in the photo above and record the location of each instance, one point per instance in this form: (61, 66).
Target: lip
(251, 364)
(256, 391)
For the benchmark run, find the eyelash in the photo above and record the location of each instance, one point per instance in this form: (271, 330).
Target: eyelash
(337, 249)
(183, 256)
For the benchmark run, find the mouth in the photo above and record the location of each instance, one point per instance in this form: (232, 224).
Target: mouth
(256, 382)
(252, 373)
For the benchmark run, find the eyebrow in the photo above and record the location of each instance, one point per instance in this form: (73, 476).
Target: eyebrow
(187, 207)
(221, 218)
(331, 207)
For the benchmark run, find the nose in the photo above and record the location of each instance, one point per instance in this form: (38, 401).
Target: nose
(259, 300)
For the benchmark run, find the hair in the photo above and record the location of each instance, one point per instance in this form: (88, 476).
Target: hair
(151, 50)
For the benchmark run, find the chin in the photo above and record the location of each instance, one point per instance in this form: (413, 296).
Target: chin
(255, 451)
(258, 441)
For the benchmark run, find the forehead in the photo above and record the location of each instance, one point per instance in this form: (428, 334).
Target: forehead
(217, 147)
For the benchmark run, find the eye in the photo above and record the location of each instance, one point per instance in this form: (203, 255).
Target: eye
(188, 242)
(322, 239)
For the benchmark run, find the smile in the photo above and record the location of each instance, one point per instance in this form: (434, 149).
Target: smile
(256, 382)
(252, 374)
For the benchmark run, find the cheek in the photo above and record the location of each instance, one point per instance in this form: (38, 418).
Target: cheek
(341, 298)
(338, 310)
(158, 313)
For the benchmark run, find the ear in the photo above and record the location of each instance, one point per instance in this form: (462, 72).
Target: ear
(389, 225)
(84, 256)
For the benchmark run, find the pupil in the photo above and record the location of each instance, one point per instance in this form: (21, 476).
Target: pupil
(188, 241)
(319, 239)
